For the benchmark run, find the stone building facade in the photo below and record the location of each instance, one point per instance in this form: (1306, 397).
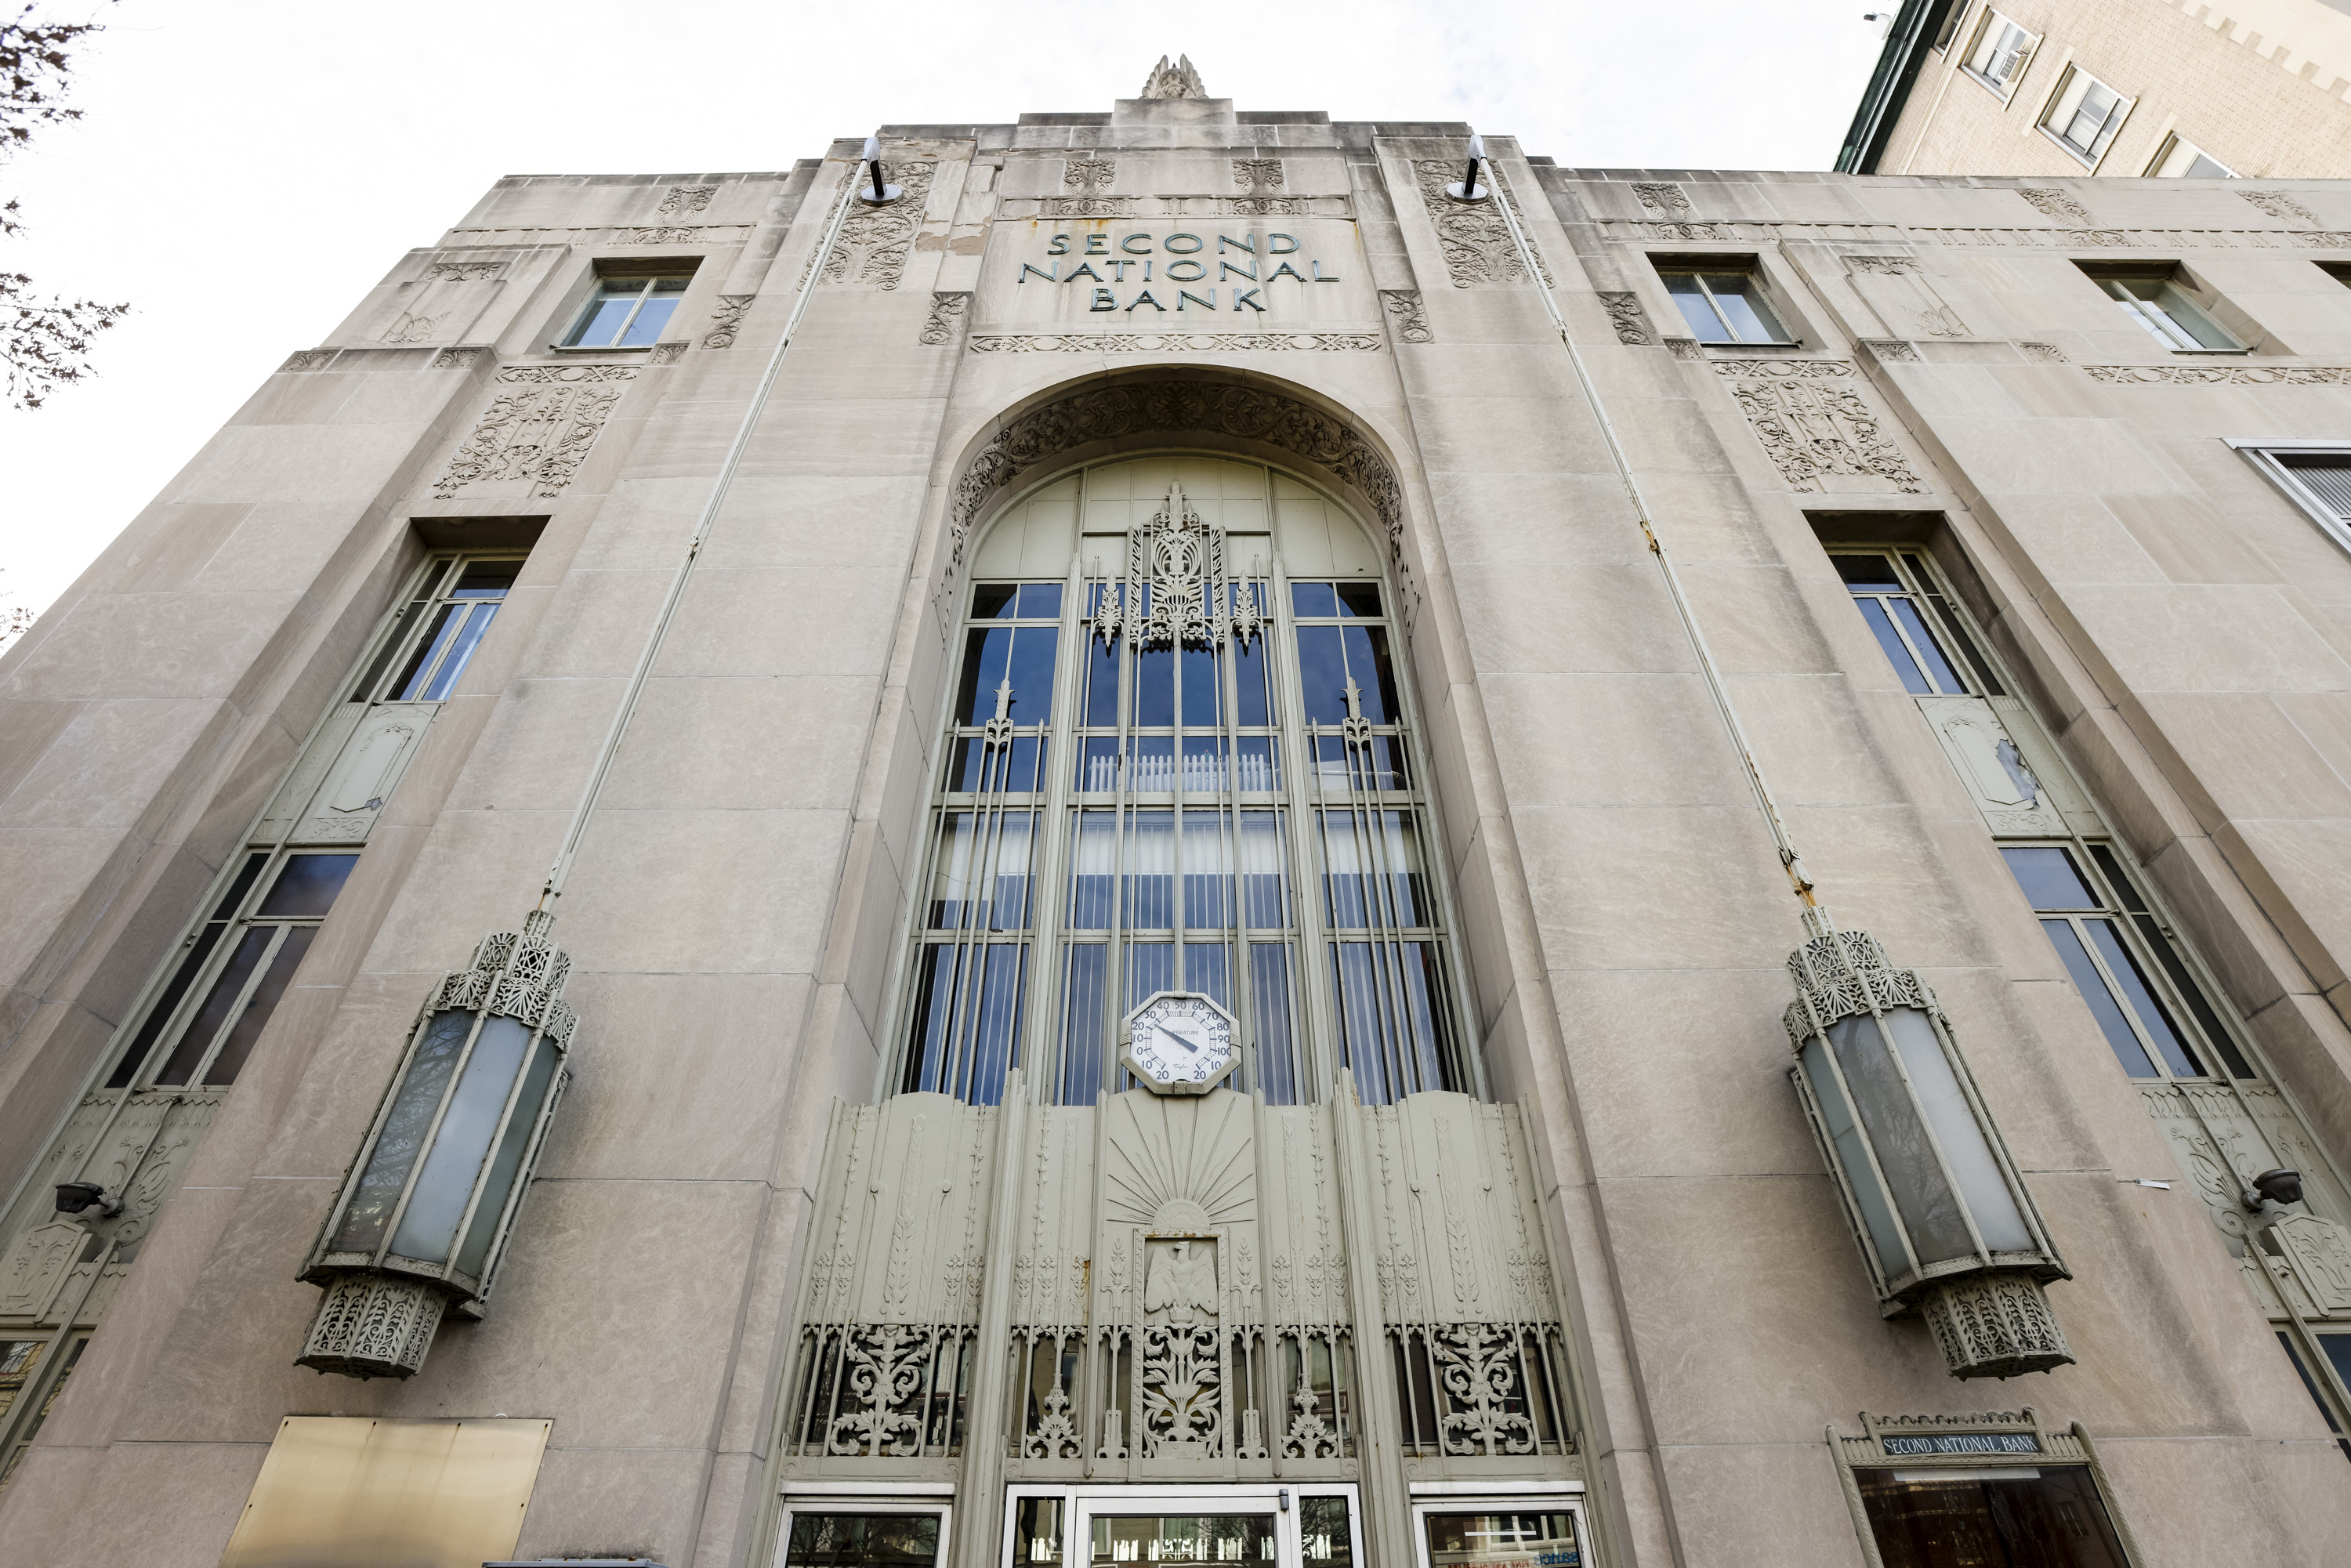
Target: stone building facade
(1176, 928)
(2058, 88)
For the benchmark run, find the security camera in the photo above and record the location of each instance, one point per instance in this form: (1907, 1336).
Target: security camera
(2278, 1186)
(80, 1196)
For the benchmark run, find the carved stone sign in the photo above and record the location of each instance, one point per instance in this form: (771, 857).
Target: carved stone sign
(1122, 272)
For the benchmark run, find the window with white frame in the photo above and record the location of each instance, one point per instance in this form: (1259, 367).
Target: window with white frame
(2000, 53)
(2083, 115)
(627, 313)
(1181, 755)
(847, 1533)
(1952, 17)
(1723, 303)
(2315, 476)
(1527, 1530)
(2156, 303)
(2179, 159)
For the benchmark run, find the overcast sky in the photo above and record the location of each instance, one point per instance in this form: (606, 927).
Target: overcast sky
(246, 168)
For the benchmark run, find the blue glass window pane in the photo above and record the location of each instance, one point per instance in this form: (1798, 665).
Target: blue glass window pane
(1151, 764)
(605, 317)
(1739, 297)
(1257, 763)
(1040, 601)
(1872, 611)
(260, 1006)
(1207, 968)
(1151, 870)
(2151, 1013)
(1946, 679)
(1203, 688)
(1312, 599)
(1264, 874)
(2050, 878)
(995, 601)
(1705, 325)
(1248, 681)
(1203, 764)
(1359, 600)
(1155, 689)
(1085, 1007)
(650, 320)
(1098, 765)
(461, 652)
(1374, 674)
(1150, 969)
(1277, 1067)
(218, 1004)
(1101, 677)
(1323, 672)
(2103, 1006)
(412, 680)
(1093, 863)
(1868, 573)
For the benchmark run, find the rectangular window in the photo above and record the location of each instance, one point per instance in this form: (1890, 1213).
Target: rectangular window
(2001, 51)
(1724, 306)
(2178, 160)
(627, 313)
(441, 631)
(1534, 1536)
(2153, 299)
(827, 1538)
(2030, 1516)
(1913, 623)
(1956, 12)
(2083, 115)
(2314, 476)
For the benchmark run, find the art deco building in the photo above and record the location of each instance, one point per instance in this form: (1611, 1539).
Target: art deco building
(2060, 88)
(1187, 835)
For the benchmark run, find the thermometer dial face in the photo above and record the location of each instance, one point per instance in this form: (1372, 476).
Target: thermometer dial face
(1179, 1042)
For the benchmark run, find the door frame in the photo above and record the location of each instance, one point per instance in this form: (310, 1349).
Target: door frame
(1279, 1497)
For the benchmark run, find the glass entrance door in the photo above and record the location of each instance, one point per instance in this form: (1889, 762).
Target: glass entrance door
(1149, 1527)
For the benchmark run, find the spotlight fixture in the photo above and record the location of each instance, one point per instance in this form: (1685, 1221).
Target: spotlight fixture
(2278, 1186)
(882, 195)
(1468, 190)
(80, 1197)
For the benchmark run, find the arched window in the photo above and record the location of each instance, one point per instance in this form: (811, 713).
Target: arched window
(1181, 755)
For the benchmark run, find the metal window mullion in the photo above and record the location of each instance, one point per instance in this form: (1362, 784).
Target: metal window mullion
(2115, 992)
(1728, 324)
(237, 1008)
(1379, 926)
(421, 591)
(424, 1144)
(1911, 643)
(1241, 985)
(621, 330)
(1122, 828)
(1053, 845)
(1318, 1020)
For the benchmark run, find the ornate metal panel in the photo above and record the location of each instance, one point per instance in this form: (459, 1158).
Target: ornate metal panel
(1176, 1291)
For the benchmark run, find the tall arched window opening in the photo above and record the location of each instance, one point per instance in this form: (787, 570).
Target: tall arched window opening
(1181, 755)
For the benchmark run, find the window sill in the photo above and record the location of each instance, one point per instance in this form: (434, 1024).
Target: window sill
(1747, 348)
(1991, 87)
(2209, 353)
(586, 349)
(2087, 161)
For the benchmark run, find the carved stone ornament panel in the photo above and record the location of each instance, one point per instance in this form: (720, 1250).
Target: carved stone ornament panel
(2056, 204)
(1258, 173)
(1107, 413)
(684, 201)
(1474, 239)
(1090, 175)
(874, 241)
(1624, 314)
(1406, 316)
(1173, 343)
(1661, 198)
(465, 271)
(727, 321)
(1896, 289)
(2042, 353)
(2278, 205)
(1087, 208)
(1816, 427)
(2221, 375)
(1892, 350)
(538, 434)
(948, 312)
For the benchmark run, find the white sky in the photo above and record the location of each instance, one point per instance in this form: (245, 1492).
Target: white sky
(247, 169)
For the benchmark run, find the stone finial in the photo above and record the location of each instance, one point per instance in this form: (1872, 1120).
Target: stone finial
(1178, 80)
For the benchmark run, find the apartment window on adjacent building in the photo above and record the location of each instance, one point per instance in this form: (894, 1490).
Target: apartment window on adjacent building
(627, 312)
(2083, 115)
(1955, 12)
(1723, 304)
(2178, 160)
(2152, 298)
(2000, 51)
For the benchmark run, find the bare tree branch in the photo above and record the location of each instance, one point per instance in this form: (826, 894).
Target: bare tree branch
(45, 342)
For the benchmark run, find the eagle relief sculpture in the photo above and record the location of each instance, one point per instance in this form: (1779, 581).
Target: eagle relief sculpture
(1181, 1286)
(1178, 80)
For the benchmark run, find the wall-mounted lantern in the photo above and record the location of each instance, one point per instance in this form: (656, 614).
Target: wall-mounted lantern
(1943, 1219)
(424, 1213)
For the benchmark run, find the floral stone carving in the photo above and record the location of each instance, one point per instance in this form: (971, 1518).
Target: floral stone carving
(1814, 429)
(539, 436)
(1403, 309)
(1474, 237)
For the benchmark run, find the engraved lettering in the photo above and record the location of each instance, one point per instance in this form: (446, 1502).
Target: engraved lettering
(1195, 276)
(1061, 245)
(1285, 267)
(1249, 244)
(1122, 266)
(1174, 249)
(1028, 268)
(1083, 269)
(1098, 245)
(1145, 298)
(1246, 296)
(1105, 299)
(1127, 244)
(1317, 273)
(1183, 294)
(1273, 249)
(1248, 272)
